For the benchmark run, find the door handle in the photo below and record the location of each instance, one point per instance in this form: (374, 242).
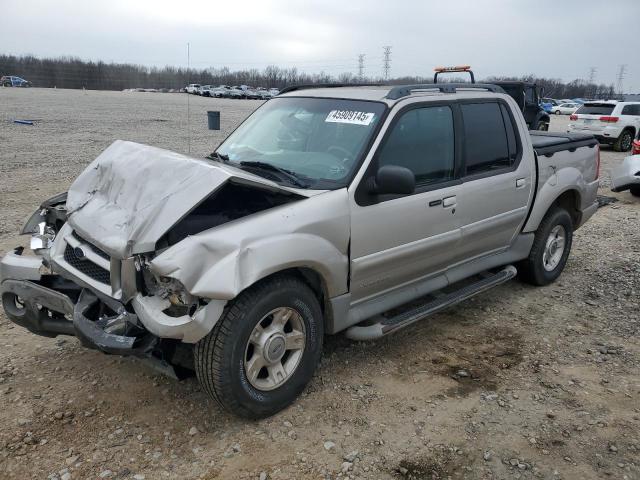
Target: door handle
(520, 182)
(449, 201)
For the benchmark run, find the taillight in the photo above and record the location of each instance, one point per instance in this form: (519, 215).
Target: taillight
(573, 117)
(597, 162)
(636, 147)
(609, 119)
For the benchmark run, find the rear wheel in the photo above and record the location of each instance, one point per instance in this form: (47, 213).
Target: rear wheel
(550, 250)
(557, 112)
(635, 190)
(542, 126)
(264, 349)
(624, 141)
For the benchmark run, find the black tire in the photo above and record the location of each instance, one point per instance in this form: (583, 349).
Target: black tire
(532, 270)
(557, 112)
(220, 356)
(624, 142)
(635, 190)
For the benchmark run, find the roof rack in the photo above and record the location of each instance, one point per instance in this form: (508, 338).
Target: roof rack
(405, 90)
(294, 88)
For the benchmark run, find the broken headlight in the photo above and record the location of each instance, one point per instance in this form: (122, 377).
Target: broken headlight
(43, 237)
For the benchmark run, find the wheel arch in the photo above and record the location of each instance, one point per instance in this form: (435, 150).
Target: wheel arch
(569, 199)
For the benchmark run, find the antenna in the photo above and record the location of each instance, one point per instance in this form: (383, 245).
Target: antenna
(188, 95)
(386, 65)
(361, 67)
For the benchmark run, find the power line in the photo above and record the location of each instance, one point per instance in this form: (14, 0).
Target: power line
(361, 66)
(386, 65)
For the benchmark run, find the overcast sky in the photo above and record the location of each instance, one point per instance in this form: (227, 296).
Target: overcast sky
(552, 38)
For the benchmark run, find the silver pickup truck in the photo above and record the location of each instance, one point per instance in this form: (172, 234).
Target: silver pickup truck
(358, 209)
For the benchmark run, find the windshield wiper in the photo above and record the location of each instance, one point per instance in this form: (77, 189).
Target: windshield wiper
(289, 175)
(220, 157)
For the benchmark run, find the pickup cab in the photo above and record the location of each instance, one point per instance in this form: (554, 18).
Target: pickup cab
(355, 209)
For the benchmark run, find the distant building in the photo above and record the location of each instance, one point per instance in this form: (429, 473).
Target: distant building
(631, 97)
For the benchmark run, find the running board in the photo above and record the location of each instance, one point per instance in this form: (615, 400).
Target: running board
(387, 325)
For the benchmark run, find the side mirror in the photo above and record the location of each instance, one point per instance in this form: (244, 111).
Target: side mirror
(392, 179)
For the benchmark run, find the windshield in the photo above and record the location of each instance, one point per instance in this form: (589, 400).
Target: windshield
(318, 141)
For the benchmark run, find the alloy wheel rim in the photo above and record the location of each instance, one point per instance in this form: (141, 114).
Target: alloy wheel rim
(554, 248)
(275, 348)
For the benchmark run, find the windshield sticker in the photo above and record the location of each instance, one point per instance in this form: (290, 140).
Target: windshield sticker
(350, 116)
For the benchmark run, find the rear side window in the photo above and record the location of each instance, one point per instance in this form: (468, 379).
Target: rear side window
(489, 137)
(596, 109)
(631, 110)
(422, 140)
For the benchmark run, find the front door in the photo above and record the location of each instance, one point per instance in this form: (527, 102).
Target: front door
(397, 239)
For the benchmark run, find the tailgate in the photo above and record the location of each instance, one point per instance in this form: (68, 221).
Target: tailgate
(592, 116)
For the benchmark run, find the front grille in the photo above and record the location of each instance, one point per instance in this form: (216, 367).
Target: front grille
(86, 266)
(95, 249)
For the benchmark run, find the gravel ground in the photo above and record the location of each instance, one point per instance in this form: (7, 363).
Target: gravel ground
(520, 382)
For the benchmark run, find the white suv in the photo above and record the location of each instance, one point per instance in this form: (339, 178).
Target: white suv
(612, 122)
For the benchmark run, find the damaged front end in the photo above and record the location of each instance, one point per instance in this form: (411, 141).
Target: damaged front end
(91, 274)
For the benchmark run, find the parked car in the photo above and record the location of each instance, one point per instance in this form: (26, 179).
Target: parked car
(527, 96)
(13, 81)
(324, 212)
(552, 101)
(274, 91)
(252, 94)
(192, 88)
(566, 108)
(204, 90)
(220, 91)
(263, 94)
(547, 107)
(611, 122)
(235, 92)
(626, 176)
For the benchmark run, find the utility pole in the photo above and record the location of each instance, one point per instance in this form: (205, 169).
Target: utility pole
(592, 82)
(361, 67)
(386, 65)
(622, 71)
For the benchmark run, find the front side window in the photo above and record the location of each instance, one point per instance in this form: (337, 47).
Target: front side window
(422, 140)
(311, 143)
(489, 145)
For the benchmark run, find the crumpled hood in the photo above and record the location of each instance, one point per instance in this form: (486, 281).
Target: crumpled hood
(131, 194)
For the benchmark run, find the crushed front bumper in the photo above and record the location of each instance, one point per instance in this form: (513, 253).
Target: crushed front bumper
(51, 305)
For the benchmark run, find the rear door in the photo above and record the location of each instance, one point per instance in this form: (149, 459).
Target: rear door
(397, 239)
(498, 178)
(631, 113)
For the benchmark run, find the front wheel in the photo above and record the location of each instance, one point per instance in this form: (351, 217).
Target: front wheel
(542, 126)
(550, 250)
(557, 112)
(264, 349)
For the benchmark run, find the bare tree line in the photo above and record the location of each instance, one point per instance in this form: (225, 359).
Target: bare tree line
(69, 72)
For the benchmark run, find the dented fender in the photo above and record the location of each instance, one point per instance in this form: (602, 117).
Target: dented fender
(222, 262)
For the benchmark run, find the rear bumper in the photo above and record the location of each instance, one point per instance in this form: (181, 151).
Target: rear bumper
(626, 174)
(608, 134)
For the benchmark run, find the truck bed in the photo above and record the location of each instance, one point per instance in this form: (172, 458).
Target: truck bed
(545, 143)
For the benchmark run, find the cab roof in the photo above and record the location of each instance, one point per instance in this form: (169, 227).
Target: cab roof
(389, 94)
